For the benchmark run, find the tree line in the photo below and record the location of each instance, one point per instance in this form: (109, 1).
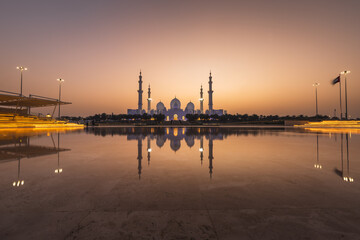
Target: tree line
(158, 118)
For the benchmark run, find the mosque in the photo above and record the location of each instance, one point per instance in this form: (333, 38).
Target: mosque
(175, 112)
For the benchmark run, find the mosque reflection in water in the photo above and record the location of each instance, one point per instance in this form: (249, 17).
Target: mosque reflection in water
(176, 135)
(173, 135)
(15, 147)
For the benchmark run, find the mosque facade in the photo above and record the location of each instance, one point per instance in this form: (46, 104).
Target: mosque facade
(175, 112)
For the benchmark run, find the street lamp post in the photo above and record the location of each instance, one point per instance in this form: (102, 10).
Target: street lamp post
(60, 81)
(316, 100)
(21, 77)
(346, 111)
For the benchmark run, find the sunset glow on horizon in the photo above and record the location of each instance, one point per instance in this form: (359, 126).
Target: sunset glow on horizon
(264, 56)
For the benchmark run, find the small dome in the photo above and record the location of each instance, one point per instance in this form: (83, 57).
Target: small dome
(160, 106)
(190, 106)
(175, 104)
(190, 140)
(175, 145)
(160, 140)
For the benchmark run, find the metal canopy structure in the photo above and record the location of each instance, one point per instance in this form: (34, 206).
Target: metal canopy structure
(18, 147)
(18, 152)
(11, 99)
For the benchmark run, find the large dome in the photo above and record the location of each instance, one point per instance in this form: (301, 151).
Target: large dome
(190, 106)
(175, 104)
(160, 106)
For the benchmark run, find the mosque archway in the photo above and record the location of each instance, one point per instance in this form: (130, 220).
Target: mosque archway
(176, 117)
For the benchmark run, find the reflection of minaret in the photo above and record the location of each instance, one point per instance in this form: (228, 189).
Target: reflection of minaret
(201, 100)
(148, 149)
(211, 157)
(140, 91)
(139, 156)
(149, 100)
(210, 94)
(201, 149)
(317, 164)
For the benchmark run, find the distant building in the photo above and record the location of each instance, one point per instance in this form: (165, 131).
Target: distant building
(175, 112)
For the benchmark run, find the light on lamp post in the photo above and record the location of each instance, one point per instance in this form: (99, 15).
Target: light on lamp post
(60, 80)
(21, 77)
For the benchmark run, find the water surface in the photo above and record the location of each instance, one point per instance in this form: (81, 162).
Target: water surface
(179, 183)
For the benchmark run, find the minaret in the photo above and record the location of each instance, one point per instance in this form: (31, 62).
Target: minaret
(140, 91)
(210, 94)
(139, 156)
(149, 100)
(201, 101)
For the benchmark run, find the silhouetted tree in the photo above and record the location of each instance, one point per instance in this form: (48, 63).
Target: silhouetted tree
(159, 117)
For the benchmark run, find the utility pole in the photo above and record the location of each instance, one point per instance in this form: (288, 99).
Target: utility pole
(316, 99)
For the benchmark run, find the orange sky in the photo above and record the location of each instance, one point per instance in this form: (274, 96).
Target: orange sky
(264, 55)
